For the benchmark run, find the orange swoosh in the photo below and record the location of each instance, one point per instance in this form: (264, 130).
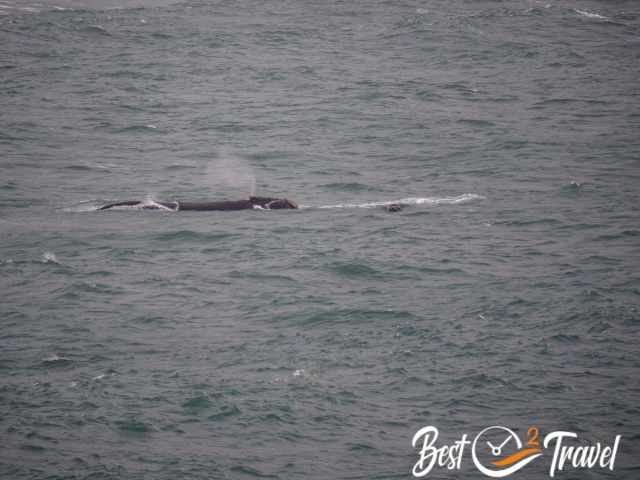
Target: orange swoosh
(525, 452)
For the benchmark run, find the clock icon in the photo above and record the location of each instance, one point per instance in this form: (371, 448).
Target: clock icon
(498, 451)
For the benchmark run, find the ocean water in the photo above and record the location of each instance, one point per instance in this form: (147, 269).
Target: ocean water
(313, 344)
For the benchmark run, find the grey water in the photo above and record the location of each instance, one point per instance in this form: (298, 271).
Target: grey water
(314, 343)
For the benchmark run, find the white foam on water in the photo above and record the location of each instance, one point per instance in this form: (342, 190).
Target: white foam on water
(587, 14)
(467, 197)
(84, 206)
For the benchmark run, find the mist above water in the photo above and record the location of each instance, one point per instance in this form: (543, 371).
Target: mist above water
(232, 173)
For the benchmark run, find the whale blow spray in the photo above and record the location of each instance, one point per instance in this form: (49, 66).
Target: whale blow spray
(230, 172)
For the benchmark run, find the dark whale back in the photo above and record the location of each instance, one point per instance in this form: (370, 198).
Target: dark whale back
(208, 206)
(268, 203)
(253, 202)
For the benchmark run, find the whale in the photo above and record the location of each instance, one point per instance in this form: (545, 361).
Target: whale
(265, 203)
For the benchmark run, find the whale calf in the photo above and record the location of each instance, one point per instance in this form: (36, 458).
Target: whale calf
(266, 203)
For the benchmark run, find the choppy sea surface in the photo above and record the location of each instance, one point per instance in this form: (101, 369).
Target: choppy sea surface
(314, 343)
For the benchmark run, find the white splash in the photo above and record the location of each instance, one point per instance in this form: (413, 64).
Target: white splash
(150, 202)
(50, 257)
(54, 358)
(467, 197)
(584, 13)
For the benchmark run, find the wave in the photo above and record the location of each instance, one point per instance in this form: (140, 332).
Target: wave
(192, 236)
(347, 186)
(95, 30)
(467, 197)
(138, 129)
